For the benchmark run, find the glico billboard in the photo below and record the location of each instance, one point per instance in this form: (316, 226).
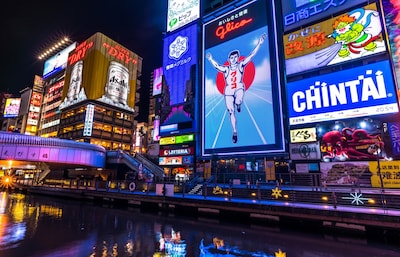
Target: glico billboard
(241, 100)
(297, 13)
(101, 69)
(178, 89)
(362, 91)
(349, 36)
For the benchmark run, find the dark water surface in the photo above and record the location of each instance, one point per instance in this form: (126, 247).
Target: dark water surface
(37, 226)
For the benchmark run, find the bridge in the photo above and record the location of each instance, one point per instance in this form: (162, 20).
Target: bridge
(24, 151)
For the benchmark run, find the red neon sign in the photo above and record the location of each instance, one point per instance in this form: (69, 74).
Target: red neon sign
(80, 52)
(120, 53)
(231, 26)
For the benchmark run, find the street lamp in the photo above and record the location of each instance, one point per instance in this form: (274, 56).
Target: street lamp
(382, 129)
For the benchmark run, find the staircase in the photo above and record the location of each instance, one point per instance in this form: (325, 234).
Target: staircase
(196, 190)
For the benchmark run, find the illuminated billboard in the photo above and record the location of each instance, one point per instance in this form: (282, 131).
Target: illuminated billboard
(54, 92)
(303, 135)
(241, 93)
(392, 10)
(180, 53)
(305, 151)
(101, 69)
(298, 13)
(362, 91)
(352, 35)
(394, 132)
(181, 139)
(179, 64)
(57, 62)
(182, 12)
(157, 81)
(355, 139)
(156, 130)
(11, 108)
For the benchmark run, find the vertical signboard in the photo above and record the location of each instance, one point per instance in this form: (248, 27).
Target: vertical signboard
(179, 64)
(157, 81)
(87, 130)
(241, 95)
(34, 109)
(101, 69)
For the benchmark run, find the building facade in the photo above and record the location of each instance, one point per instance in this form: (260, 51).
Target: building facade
(100, 96)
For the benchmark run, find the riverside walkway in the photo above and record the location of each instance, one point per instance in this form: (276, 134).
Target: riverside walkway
(349, 208)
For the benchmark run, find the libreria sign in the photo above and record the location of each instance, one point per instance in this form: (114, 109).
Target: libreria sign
(362, 91)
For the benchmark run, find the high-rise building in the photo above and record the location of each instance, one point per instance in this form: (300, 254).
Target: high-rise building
(54, 75)
(100, 94)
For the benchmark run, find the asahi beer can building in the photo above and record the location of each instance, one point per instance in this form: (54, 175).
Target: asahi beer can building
(117, 87)
(75, 81)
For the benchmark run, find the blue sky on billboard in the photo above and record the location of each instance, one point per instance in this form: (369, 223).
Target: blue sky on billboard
(362, 91)
(57, 62)
(138, 25)
(234, 123)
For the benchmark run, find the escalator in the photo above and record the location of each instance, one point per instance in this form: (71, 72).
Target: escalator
(157, 170)
(138, 163)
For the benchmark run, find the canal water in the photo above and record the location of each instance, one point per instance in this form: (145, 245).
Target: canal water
(38, 226)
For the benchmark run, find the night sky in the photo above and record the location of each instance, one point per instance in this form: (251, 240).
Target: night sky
(28, 27)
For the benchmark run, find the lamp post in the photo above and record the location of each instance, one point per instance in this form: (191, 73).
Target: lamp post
(381, 129)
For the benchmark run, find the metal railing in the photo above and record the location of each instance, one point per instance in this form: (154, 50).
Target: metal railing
(260, 191)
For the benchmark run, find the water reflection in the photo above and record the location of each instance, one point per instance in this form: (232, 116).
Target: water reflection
(33, 226)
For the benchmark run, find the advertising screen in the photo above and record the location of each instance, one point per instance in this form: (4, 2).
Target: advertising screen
(57, 62)
(298, 13)
(305, 151)
(11, 108)
(101, 69)
(157, 81)
(179, 64)
(394, 131)
(392, 10)
(384, 174)
(182, 12)
(352, 35)
(180, 53)
(241, 96)
(156, 130)
(362, 91)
